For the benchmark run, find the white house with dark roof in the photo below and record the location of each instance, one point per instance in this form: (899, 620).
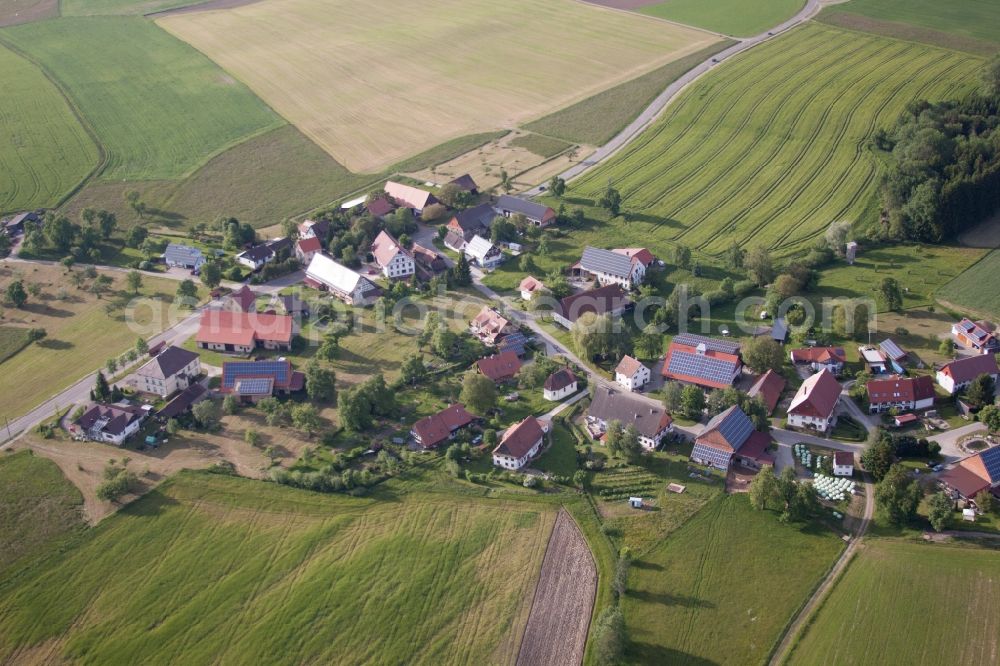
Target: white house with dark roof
(560, 384)
(609, 267)
(483, 252)
(630, 374)
(651, 421)
(108, 423)
(519, 444)
(395, 261)
(170, 371)
(958, 374)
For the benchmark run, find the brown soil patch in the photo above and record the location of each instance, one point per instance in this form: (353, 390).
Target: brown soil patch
(15, 12)
(564, 599)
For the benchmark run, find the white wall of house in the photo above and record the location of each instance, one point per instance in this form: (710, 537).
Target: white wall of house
(843, 470)
(878, 408)
(812, 422)
(635, 382)
(176, 382)
(401, 266)
(561, 393)
(510, 462)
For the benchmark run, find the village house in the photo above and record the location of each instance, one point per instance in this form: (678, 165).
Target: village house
(637, 255)
(257, 256)
(650, 419)
(410, 197)
(169, 371)
(534, 213)
(489, 326)
(108, 423)
(519, 444)
(610, 299)
(315, 229)
(483, 253)
(307, 248)
(974, 474)
(956, 375)
(242, 300)
(560, 384)
(976, 336)
(831, 359)
(500, 367)
(349, 286)
(706, 362)
(177, 255)
(183, 402)
(379, 207)
(843, 463)
(465, 224)
(730, 437)
(251, 381)
(609, 267)
(815, 403)
(465, 183)
(395, 261)
(768, 389)
(903, 393)
(630, 374)
(529, 287)
(242, 332)
(432, 431)
(428, 259)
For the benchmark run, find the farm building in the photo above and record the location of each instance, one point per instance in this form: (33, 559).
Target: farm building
(428, 259)
(251, 381)
(489, 326)
(514, 342)
(843, 463)
(519, 444)
(380, 207)
(242, 300)
(431, 431)
(108, 423)
(530, 286)
(610, 299)
(534, 213)
(974, 474)
(630, 374)
(559, 384)
(465, 183)
(608, 267)
(471, 222)
(731, 438)
(15, 225)
(706, 362)
(395, 261)
(768, 388)
(241, 332)
(315, 229)
(347, 285)
(500, 367)
(815, 403)
(183, 401)
(169, 371)
(779, 331)
(410, 197)
(831, 359)
(976, 336)
(483, 252)
(958, 374)
(893, 352)
(307, 248)
(177, 255)
(901, 393)
(874, 360)
(651, 420)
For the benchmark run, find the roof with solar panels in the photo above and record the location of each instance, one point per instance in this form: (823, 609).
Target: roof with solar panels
(703, 361)
(731, 432)
(255, 378)
(974, 474)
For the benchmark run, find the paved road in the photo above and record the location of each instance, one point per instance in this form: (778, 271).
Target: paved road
(652, 112)
(949, 440)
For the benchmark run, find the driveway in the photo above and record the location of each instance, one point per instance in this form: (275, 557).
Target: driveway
(950, 449)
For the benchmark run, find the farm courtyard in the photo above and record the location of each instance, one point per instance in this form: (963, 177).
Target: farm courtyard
(376, 82)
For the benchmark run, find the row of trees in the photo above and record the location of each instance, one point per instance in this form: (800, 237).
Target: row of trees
(796, 502)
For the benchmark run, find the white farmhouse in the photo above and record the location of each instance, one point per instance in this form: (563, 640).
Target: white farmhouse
(394, 260)
(170, 371)
(631, 375)
(559, 384)
(519, 444)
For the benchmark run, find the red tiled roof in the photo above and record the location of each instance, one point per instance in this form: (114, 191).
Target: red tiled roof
(411, 197)
(755, 448)
(385, 248)
(530, 284)
(559, 379)
(310, 245)
(843, 458)
(489, 324)
(965, 480)
(817, 397)
(966, 369)
(519, 439)
(436, 428)
(769, 387)
(500, 366)
(628, 366)
(819, 355)
(599, 301)
(381, 206)
(243, 328)
(640, 254)
(906, 418)
(900, 389)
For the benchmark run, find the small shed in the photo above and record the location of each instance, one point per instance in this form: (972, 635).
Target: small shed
(851, 251)
(903, 419)
(635, 502)
(969, 515)
(676, 488)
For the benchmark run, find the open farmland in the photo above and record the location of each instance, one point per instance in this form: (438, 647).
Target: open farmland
(771, 147)
(44, 152)
(125, 7)
(967, 290)
(975, 19)
(722, 587)
(730, 17)
(232, 571)
(159, 108)
(375, 82)
(909, 603)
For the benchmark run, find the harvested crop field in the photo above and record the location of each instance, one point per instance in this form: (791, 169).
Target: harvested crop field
(967, 290)
(771, 147)
(373, 83)
(564, 599)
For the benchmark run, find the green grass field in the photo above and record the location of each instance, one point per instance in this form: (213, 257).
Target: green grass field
(543, 146)
(38, 506)
(721, 588)
(771, 148)
(730, 17)
(159, 108)
(12, 340)
(596, 119)
(216, 569)
(967, 290)
(908, 603)
(120, 7)
(970, 18)
(45, 152)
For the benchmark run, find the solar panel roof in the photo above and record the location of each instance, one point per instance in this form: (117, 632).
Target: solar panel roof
(705, 367)
(233, 370)
(254, 386)
(991, 459)
(736, 428)
(692, 340)
(711, 456)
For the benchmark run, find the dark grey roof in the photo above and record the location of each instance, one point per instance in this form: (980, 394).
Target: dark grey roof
(608, 298)
(183, 401)
(477, 218)
(168, 362)
(111, 419)
(279, 244)
(465, 183)
(734, 426)
(724, 346)
(780, 329)
(611, 405)
(258, 253)
(510, 204)
(292, 303)
(595, 260)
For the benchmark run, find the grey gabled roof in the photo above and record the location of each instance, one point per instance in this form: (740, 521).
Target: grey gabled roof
(182, 254)
(476, 218)
(508, 203)
(611, 405)
(692, 340)
(167, 363)
(595, 260)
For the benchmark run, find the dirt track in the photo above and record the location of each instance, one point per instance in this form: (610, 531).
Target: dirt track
(202, 7)
(564, 600)
(623, 4)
